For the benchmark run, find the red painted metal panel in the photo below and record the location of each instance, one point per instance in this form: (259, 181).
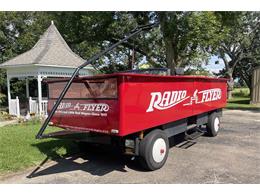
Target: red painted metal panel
(145, 101)
(86, 115)
(211, 95)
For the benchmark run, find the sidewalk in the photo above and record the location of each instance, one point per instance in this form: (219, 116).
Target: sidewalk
(4, 123)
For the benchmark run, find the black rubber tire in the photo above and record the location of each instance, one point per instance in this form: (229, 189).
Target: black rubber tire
(146, 147)
(211, 130)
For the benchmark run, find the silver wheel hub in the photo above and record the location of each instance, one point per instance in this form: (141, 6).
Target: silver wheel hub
(159, 150)
(216, 124)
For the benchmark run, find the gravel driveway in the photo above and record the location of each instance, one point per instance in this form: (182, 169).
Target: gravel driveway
(231, 157)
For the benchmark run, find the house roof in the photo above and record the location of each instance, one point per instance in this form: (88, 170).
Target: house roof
(51, 49)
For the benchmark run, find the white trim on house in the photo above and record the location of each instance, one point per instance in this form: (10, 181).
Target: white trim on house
(47, 71)
(73, 67)
(47, 65)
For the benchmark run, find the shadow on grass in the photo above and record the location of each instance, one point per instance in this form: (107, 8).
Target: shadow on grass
(240, 101)
(241, 104)
(51, 147)
(97, 161)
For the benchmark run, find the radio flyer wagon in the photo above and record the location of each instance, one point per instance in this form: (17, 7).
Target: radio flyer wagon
(136, 112)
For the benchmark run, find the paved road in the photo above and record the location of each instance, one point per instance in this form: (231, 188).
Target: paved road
(231, 157)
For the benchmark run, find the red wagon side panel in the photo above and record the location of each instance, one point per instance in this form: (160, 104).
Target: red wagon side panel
(91, 104)
(135, 99)
(75, 117)
(122, 104)
(205, 89)
(150, 101)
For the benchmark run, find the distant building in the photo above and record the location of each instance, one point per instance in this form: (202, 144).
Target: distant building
(50, 57)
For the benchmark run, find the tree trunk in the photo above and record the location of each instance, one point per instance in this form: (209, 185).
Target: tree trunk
(230, 83)
(170, 54)
(131, 59)
(247, 78)
(229, 94)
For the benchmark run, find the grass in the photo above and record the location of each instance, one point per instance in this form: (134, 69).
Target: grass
(19, 149)
(241, 100)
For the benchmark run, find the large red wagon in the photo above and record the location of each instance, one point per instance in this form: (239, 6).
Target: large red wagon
(136, 112)
(132, 106)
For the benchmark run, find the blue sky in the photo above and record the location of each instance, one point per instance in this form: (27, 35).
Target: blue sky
(214, 67)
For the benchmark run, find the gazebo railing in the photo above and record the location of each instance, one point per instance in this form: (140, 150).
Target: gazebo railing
(44, 105)
(33, 106)
(14, 107)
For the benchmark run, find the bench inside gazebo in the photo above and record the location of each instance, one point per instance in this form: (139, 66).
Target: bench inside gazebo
(50, 57)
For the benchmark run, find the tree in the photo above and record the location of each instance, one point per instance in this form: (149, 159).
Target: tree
(19, 31)
(189, 37)
(237, 48)
(198, 71)
(245, 67)
(89, 32)
(184, 38)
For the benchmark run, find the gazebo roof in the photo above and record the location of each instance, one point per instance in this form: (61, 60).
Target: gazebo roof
(51, 49)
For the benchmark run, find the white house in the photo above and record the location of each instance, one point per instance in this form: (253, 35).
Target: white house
(50, 57)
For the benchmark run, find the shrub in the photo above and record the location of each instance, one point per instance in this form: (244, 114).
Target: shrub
(5, 116)
(2, 98)
(241, 92)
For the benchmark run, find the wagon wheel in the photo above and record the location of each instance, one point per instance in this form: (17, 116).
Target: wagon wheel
(213, 125)
(154, 149)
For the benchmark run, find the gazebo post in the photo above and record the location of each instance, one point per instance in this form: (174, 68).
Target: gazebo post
(27, 87)
(8, 92)
(39, 80)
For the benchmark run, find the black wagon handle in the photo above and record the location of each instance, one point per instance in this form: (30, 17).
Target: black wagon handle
(132, 33)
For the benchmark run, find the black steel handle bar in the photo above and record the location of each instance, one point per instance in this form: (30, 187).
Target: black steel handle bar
(88, 62)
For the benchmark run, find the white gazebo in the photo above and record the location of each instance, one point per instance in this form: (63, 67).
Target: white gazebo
(50, 57)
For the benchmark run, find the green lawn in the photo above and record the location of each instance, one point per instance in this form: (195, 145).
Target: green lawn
(19, 148)
(241, 100)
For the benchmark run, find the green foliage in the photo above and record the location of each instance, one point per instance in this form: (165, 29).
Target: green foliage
(198, 71)
(240, 47)
(19, 31)
(192, 34)
(182, 39)
(2, 98)
(144, 66)
(19, 148)
(241, 92)
(241, 100)
(189, 36)
(18, 89)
